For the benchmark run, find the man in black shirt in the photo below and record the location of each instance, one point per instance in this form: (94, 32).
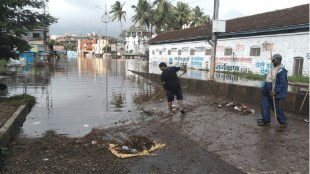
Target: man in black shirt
(171, 83)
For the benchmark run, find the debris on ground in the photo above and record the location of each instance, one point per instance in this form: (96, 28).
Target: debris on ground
(135, 146)
(236, 107)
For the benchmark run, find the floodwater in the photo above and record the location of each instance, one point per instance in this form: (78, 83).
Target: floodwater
(78, 94)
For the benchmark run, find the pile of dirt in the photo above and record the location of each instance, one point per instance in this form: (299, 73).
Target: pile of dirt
(54, 153)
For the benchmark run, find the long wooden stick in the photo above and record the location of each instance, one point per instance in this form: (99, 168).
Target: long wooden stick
(273, 85)
(303, 102)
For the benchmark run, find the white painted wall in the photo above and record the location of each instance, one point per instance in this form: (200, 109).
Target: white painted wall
(133, 45)
(288, 45)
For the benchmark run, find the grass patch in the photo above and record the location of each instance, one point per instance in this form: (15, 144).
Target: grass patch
(247, 75)
(299, 79)
(251, 76)
(3, 63)
(19, 100)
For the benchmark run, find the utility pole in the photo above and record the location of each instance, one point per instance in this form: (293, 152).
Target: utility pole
(214, 40)
(106, 19)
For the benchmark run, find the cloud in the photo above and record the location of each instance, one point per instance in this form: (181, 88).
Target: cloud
(82, 16)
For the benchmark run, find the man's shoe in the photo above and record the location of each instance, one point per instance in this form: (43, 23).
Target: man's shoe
(182, 111)
(260, 122)
(281, 127)
(284, 125)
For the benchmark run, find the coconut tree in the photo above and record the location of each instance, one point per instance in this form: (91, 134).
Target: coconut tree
(181, 14)
(118, 13)
(162, 13)
(198, 18)
(142, 14)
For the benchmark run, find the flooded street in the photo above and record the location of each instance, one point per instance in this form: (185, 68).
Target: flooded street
(76, 95)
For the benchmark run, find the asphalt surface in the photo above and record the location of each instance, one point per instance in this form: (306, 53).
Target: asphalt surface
(235, 138)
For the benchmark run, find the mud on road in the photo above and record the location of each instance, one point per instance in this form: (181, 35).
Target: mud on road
(58, 154)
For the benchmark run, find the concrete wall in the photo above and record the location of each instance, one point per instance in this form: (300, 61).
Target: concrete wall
(290, 46)
(246, 94)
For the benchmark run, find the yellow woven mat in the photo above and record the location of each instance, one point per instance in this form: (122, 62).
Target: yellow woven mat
(145, 152)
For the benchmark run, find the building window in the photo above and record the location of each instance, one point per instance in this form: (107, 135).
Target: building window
(192, 52)
(255, 51)
(153, 52)
(228, 51)
(179, 52)
(208, 51)
(35, 35)
(160, 52)
(169, 52)
(298, 66)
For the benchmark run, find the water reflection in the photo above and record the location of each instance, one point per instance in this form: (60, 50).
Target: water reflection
(72, 93)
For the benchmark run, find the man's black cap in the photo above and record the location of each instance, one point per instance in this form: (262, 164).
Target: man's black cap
(276, 56)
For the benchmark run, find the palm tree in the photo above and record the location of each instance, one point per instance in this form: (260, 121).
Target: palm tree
(162, 14)
(143, 15)
(198, 17)
(118, 13)
(181, 14)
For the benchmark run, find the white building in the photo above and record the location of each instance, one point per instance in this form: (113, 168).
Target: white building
(136, 41)
(247, 44)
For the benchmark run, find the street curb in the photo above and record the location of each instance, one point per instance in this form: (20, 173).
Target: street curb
(11, 126)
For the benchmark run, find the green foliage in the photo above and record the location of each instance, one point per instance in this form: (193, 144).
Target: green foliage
(143, 13)
(17, 18)
(181, 14)
(166, 17)
(247, 75)
(132, 28)
(19, 100)
(106, 49)
(198, 17)
(70, 46)
(300, 79)
(3, 63)
(250, 75)
(118, 13)
(51, 43)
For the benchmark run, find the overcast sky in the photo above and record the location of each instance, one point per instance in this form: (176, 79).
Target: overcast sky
(82, 16)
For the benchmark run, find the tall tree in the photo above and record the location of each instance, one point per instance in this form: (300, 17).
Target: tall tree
(198, 18)
(181, 14)
(17, 18)
(118, 13)
(162, 14)
(142, 14)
